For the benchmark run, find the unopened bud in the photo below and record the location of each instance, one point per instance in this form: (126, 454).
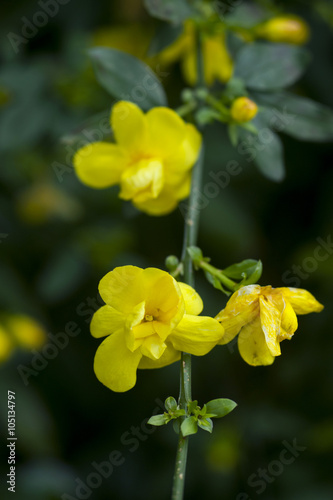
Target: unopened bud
(243, 110)
(285, 29)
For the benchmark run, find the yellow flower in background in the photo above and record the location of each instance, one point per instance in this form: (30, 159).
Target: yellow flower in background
(148, 319)
(243, 110)
(151, 159)
(263, 317)
(285, 29)
(22, 331)
(218, 64)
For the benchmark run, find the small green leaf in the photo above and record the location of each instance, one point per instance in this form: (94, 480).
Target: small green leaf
(268, 66)
(206, 424)
(254, 276)
(126, 77)
(170, 404)
(213, 280)
(175, 11)
(196, 254)
(189, 426)
(176, 426)
(236, 271)
(206, 115)
(165, 35)
(220, 407)
(191, 406)
(158, 420)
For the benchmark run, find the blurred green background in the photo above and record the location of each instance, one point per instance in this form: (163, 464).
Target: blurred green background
(58, 238)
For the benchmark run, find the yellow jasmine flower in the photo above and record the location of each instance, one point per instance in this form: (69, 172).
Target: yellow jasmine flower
(217, 61)
(263, 317)
(148, 319)
(243, 110)
(17, 330)
(285, 29)
(151, 159)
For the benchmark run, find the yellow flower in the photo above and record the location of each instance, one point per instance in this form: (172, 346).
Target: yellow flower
(217, 61)
(263, 317)
(285, 29)
(151, 160)
(243, 110)
(148, 318)
(18, 330)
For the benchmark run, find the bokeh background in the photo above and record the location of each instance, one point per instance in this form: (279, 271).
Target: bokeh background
(58, 238)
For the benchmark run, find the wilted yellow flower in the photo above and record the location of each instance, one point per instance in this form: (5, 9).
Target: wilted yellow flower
(243, 110)
(148, 318)
(151, 160)
(263, 317)
(285, 29)
(18, 330)
(217, 61)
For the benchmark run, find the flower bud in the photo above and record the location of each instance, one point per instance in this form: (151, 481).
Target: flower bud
(285, 29)
(243, 110)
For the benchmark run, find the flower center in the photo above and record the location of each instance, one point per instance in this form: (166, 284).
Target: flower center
(149, 317)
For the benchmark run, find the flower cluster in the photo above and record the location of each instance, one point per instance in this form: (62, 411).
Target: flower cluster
(151, 159)
(149, 318)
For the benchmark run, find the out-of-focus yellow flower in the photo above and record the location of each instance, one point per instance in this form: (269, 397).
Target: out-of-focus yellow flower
(217, 61)
(148, 318)
(22, 331)
(243, 110)
(132, 38)
(41, 202)
(285, 29)
(151, 160)
(263, 317)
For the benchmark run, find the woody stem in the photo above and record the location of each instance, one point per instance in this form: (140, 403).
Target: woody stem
(190, 239)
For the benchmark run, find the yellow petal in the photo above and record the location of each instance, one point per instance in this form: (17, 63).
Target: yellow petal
(217, 62)
(143, 181)
(105, 321)
(100, 164)
(270, 318)
(302, 301)
(169, 356)
(120, 288)
(153, 347)
(289, 322)
(165, 203)
(115, 365)
(184, 157)
(196, 334)
(6, 344)
(252, 345)
(164, 300)
(241, 309)
(167, 131)
(129, 125)
(193, 302)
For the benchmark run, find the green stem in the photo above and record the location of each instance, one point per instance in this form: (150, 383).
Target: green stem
(190, 239)
(186, 108)
(219, 274)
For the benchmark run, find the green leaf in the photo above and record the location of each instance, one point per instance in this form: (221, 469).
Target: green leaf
(165, 35)
(170, 404)
(175, 11)
(220, 407)
(233, 134)
(189, 426)
(213, 280)
(206, 424)
(196, 254)
(191, 406)
(254, 276)
(236, 271)
(126, 77)
(270, 158)
(265, 66)
(176, 426)
(297, 116)
(158, 420)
